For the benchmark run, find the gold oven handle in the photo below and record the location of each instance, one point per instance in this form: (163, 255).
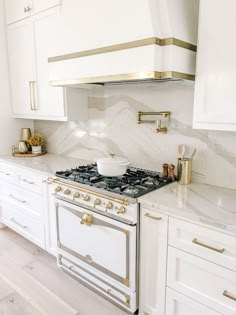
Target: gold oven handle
(87, 219)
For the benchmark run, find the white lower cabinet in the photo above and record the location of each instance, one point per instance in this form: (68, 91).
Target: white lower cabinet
(205, 282)
(153, 256)
(22, 202)
(178, 304)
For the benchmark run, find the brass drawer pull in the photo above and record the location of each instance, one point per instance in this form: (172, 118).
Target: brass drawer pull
(19, 224)
(17, 199)
(218, 250)
(152, 217)
(28, 182)
(229, 295)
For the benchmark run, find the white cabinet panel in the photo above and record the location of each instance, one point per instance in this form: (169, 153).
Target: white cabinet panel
(215, 90)
(21, 54)
(153, 255)
(207, 283)
(178, 304)
(203, 242)
(50, 100)
(17, 10)
(41, 5)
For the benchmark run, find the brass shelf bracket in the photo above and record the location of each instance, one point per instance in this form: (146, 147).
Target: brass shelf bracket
(158, 122)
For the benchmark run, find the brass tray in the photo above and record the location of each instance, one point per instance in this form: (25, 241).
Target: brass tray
(28, 154)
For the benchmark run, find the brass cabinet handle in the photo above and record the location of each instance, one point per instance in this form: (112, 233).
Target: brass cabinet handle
(28, 182)
(27, 9)
(218, 250)
(17, 223)
(31, 99)
(152, 217)
(34, 97)
(229, 295)
(17, 199)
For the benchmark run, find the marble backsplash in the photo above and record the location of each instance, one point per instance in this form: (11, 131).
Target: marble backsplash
(112, 128)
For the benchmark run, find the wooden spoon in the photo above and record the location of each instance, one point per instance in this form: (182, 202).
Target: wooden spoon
(193, 153)
(181, 149)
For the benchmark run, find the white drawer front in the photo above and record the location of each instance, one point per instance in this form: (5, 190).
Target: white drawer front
(17, 219)
(178, 304)
(31, 181)
(8, 173)
(31, 202)
(214, 246)
(202, 281)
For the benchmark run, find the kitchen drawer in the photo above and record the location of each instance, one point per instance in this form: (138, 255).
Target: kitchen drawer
(214, 246)
(31, 181)
(20, 197)
(206, 283)
(24, 224)
(8, 173)
(178, 304)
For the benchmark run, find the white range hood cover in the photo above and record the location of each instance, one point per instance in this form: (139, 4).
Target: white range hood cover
(168, 50)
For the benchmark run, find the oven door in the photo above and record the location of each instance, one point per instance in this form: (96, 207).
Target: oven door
(101, 243)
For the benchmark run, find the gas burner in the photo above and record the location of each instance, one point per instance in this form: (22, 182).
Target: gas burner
(134, 183)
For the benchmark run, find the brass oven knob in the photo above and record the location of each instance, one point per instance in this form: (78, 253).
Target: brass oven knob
(120, 209)
(109, 205)
(97, 202)
(87, 219)
(57, 189)
(67, 192)
(86, 197)
(76, 195)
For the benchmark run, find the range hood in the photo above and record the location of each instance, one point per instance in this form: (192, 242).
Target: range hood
(169, 54)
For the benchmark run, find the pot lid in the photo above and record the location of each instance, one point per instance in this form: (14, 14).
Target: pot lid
(112, 159)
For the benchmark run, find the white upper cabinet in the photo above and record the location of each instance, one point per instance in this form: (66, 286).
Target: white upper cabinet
(215, 90)
(21, 9)
(29, 44)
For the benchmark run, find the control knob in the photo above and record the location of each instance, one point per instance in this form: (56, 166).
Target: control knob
(67, 192)
(58, 189)
(76, 195)
(97, 202)
(86, 197)
(109, 205)
(120, 209)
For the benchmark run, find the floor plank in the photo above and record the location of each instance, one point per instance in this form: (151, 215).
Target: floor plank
(16, 304)
(33, 275)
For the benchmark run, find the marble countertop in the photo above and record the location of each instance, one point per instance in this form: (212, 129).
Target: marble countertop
(46, 164)
(211, 205)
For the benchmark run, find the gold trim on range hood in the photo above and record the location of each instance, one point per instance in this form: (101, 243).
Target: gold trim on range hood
(126, 77)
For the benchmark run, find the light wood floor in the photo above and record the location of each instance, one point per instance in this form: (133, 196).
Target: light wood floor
(31, 284)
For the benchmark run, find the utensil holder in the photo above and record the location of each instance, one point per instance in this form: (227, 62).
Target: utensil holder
(184, 171)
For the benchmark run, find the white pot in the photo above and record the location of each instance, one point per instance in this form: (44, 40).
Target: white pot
(36, 149)
(112, 166)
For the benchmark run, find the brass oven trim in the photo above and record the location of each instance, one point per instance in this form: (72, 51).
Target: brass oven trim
(60, 182)
(95, 276)
(96, 221)
(128, 45)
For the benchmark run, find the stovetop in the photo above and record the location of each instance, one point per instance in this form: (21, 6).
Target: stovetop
(134, 183)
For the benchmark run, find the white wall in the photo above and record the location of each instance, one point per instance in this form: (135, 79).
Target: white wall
(9, 127)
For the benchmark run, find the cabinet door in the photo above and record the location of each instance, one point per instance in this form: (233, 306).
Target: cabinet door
(153, 256)
(50, 99)
(215, 90)
(178, 304)
(21, 54)
(41, 5)
(17, 10)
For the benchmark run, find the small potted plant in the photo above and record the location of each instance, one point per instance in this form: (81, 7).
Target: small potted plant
(36, 141)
